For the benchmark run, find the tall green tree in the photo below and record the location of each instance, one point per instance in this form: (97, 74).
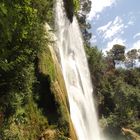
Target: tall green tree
(117, 53)
(85, 7)
(132, 55)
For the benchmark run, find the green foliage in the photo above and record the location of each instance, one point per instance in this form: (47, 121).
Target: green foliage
(44, 10)
(117, 52)
(46, 63)
(76, 5)
(132, 54)
(28, 105)
(85, 7)
(117, 92)
(22, 38)
(96, 68)
(21, 111)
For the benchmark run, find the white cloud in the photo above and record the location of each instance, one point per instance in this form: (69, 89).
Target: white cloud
(105, 27)
(98, 6)
(112, 28)
(113, 42)
(136, 35)
(132, 19)
(131, 22)
(136, 45)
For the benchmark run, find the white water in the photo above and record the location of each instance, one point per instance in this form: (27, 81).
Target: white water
(76, 75)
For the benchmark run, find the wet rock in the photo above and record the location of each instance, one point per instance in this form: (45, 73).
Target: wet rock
(69, 7)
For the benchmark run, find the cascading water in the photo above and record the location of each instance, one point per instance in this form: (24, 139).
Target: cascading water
(76, 75)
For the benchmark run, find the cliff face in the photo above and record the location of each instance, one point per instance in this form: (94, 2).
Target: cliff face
(69, 6)
(49, 65)
(57, 87)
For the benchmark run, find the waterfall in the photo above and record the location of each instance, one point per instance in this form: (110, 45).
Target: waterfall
(75, 71)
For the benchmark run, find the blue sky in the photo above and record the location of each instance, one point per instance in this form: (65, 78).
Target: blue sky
(115, 22)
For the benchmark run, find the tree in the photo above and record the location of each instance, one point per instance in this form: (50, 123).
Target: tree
(116, 90)
(117, 53)
(85, 7)
(132, 55)
(139, 54)
(22, 37)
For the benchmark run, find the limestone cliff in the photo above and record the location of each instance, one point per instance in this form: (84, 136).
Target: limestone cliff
(52, 68)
